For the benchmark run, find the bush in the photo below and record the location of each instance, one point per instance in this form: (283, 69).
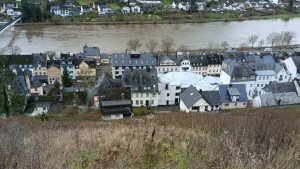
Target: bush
(141, 111)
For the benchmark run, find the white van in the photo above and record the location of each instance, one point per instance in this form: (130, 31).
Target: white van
(268, 49)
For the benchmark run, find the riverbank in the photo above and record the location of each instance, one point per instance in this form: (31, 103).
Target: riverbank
(138, 19)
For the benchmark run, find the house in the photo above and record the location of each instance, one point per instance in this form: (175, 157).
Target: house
(143, 86)
(20, 78)
(53, 71)
(25, 62)
(136, 9)
(13, 12)
(39, 64)
(67, 60)
(277, 94)
(95, 5)
(171, 84)
(293, 66)
(86, 71)
(104, 58)
(104, 9)
(35, 86)
(62, 11)
(213, 99)
(174, 6)
(70, 3)
(191, 100)
(104, 82)
(233, 96)
(93, 52)
(125, 10)
(184, 6)
(115, 103)
(84, 9)
(40, 108)
(214, 64)
(131, 61)
(167, 63)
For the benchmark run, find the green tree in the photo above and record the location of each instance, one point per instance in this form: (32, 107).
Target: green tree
(194, 7)
(66, 79)
(11, 96)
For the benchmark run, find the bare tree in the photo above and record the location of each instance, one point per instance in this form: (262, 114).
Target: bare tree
(183, 48)
(151, 45)
(15, 50)
(134, 44)
(224, 44)
(167, 45)
(288, 37)
(261, 43)
(272, 38)
(252, 39)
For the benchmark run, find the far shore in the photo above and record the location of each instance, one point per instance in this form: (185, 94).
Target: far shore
(161, 21)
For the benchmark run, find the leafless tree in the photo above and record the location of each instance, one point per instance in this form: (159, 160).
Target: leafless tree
(272, 38)
(151, 45)
(288, 37)
(252, 39)
(15, 50)
(211, 45)
(183, 48)
(167, 45)
(224, 44)
(134, 44)
(261, 43)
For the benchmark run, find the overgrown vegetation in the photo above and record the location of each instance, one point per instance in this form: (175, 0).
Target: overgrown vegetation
(248, 138)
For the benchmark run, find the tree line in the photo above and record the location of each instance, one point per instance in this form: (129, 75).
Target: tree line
(35, 12)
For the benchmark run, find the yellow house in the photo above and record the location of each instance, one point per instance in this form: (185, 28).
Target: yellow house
(53, 71)
(86, 71)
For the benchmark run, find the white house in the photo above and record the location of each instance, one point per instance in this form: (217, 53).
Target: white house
(104, 9)
(293, 66)
(184, 6)
(125, 10)
(136, 9)
(192, 101)
(40, 108)
(174, 5)
(68, 61)
(13, 12)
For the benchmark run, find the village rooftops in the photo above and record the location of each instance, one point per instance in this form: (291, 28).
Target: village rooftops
(91, 51)
(133, 59)
(39, 59)
(211, 97)
(278, 99)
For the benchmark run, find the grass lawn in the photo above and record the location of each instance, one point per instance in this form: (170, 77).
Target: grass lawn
(84, 2)
(114, 7)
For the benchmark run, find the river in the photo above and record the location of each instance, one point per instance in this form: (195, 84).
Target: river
(113, 38)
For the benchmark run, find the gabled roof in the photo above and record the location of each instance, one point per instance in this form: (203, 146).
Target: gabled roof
(105, 81)
(277, 99)
(39, 59)
(126, 59)
(163, 58)
(190, 96)
(212, 97)
(140, 80)
(91, 51)
(275, 87)
(199, 60)
(215, 58)
(225, 96)
(296, 60)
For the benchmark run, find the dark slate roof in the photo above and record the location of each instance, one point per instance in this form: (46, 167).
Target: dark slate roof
(39, 58)
(140, 80)
(276, 99)
(18, 71)
(296, 60)
(275, 87)
(190, 96)
(215, 58)
(199, 60)
(43, 104)
(105, 81)
(104, 56)
(35, 83)
(128, 59)
(91, 51)
(120, 110)
(109, 94)
(212, 97)
(53, 62)
(20, 60)
(224, 95)
(29, 108)
(239, 71)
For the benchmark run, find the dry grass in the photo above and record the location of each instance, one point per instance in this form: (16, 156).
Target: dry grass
(255, 138)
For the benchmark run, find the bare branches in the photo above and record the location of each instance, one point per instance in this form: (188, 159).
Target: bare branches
(224, 44)
(252, 39)
(151, 45)
(183, 48)
(15, 50)
(134, 44)
(167, 45)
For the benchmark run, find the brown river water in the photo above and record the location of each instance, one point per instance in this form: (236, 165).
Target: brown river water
(113, 38)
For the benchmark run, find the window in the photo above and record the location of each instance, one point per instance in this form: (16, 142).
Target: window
(137, 102)
(168, 94)
(226, 104)
(261, 85)
(152, 102)
(264, 78)
(267, 77)
(167, 87)
(44, 108)
(257, 85)
(141, 101)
